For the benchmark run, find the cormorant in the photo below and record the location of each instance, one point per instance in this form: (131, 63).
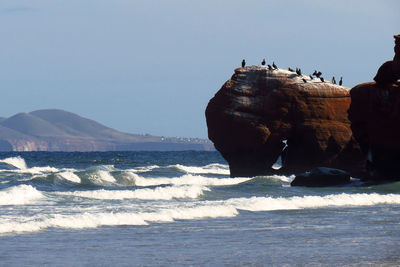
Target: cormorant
(243, 63)
(333, 80)
(315, 72)
(273, 65)
(341, 81)
(304, 80)
(298, 71)
(289, 69)
(263, 62)
(269, 67)
(318, 74)
(322, 79)
(311, 77)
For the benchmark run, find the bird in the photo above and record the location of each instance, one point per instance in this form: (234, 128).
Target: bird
(243, 63)
(315, 72)
(341, 81)
(304, 80)
(322, 79)
(318, 74)
(273, 65)
(333, 80)
(269, 67)
(263, 62)
(289, 69)
(311, 77)
(298, 71)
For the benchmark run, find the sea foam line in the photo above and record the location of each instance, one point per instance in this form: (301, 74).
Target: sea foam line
(92, 220)
(188, 179)
(159, 193)
(186, 211)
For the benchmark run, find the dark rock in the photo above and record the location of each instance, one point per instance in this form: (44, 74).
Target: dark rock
(375, 121)
(321, 176)
(257, 109)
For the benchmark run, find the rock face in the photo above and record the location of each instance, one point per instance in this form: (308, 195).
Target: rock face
(320, 177)
(257, 109)
(375, 120)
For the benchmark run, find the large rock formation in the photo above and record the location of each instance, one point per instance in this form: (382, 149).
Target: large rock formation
(375, 119)
(257, 109)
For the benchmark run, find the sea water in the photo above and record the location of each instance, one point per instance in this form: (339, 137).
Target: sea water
(183, 209)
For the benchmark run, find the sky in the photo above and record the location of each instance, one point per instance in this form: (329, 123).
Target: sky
(152, 66)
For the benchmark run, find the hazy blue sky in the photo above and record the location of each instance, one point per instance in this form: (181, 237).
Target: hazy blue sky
(152, 66)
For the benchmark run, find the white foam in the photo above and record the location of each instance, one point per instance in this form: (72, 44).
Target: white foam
(144, 168)
(19, 195)
(92, 220)
(39, 170)
(292, 203)
(17, 162)
(189, 180)
(190, 211)
(101, 177)
(159, 193)
(69, 176)
(214, 168)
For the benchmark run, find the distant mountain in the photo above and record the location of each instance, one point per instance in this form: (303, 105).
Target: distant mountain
(59, 130)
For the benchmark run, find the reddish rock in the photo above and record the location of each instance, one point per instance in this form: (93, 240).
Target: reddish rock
(257, 109)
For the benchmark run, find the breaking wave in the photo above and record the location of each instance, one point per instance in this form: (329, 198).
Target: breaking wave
(19, 195)
(16, 162)
(159, 193)
(201, 210)
(188, 179)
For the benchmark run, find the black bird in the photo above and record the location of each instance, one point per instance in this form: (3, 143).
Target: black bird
(333, 80)
(243, 63)
(289, 69)
(304, 80)
(269, 67)
(273, 65)
(315, 73)
(322, 79)
(341, 81)
(263, 62)
(318, 74)
(298, 71)
(311, 77)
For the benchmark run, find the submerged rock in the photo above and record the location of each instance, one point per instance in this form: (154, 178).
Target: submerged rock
(320, 177)
(257, 109)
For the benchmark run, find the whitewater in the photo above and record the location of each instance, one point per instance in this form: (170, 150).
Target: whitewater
(182, 208)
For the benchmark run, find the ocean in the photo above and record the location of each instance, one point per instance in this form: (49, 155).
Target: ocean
(183, 209)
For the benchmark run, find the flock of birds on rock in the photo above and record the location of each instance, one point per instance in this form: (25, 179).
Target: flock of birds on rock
(317, 74)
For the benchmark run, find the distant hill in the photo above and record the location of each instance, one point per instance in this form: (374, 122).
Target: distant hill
(59, 130)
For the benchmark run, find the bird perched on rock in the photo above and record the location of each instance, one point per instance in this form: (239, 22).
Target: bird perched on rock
(263, 62)
(318, 74)
(304, 80)
(333, 80)
(322, 79)
(315, 72)
(311, 77)
(298, 71)
(243, 63)
(341, 81)
(273, 65)
(289, 69)
(269, 67)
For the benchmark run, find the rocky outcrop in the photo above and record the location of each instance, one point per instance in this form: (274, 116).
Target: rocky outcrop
(257, 109)
(375, 120)
(321, 177)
